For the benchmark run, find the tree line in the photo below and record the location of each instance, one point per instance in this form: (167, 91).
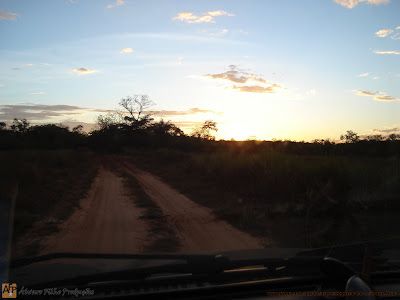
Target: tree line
(132, 125)
(129, 125)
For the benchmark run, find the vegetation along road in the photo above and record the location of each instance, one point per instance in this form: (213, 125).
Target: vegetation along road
(108, 221)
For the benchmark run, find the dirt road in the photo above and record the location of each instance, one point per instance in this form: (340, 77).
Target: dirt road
(196, 226)
(109, 222)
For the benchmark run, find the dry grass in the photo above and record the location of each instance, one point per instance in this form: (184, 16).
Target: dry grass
(296, 200)
(48, 185)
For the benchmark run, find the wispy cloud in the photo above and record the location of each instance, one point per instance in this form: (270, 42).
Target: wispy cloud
(388, 130)
(36, 93)
(376, 95)
(387, 52)
(363, 75)
(84, 71)
(126, 50)
(191, 111)
(180, 59)
(218, 33)
(39, 111)
(206, 17)
(244, 81)
(257, 88)
(1, 84)
(386, 32)
(117, 3)
(383, 32)
(8, 15)
(353, 3)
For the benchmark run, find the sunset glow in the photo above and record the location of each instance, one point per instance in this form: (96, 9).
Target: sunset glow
(297, 70)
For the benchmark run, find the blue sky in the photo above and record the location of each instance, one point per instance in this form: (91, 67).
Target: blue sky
(282, 69)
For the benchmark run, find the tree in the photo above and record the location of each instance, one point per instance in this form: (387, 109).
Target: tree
(130, 116)
(20, 125)
(78, 129)
(393, 136)
(166, 128)
(375, 137)
(3, 126)
(204, 131)
(111, 119)
(136, 106)
(350, 137)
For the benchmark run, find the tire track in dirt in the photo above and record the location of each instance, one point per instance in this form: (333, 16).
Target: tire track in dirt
(196, 226)
(107, 222)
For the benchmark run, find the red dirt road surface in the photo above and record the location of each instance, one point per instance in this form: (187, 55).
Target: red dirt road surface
(109, 222)
(196, 226)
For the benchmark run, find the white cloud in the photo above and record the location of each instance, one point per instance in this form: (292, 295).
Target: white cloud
(206, 17)
(36, 93)
(375, 77)
(117, 3)
(383, 32)
(387, 52)
(376, 95)
(386, 32)
(84, 71)
(219, 33)
(353, 3)
(180, 59)
(126, 50)
(8, 15)
(396, 36)
(1, 84)
(244, 81)
(363, 75)
(219, 13)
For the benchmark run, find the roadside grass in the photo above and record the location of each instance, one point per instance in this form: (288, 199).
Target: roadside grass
(47, 186)
(162, 238)
(296, 200)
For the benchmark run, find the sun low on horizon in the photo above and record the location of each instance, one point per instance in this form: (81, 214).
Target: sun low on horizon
(297, 70)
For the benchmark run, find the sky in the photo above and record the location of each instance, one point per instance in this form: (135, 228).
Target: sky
(261, 69)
